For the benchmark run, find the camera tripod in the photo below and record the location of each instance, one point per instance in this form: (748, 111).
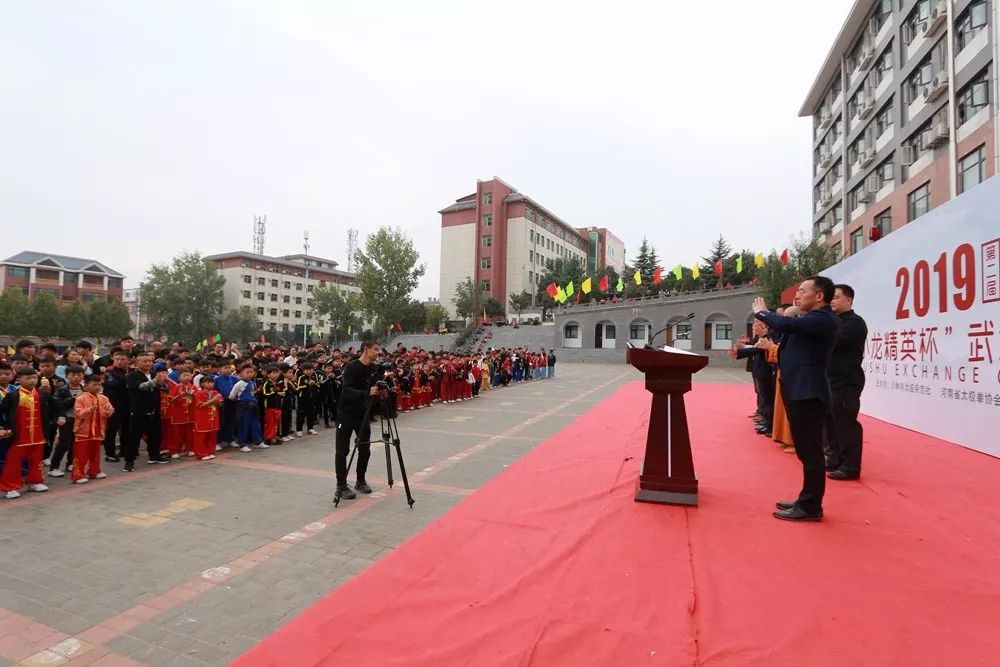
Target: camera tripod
(390, 437)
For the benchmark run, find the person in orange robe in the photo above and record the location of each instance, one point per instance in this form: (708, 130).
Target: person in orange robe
(90, 422)
(24, 421)
(781, 428)
(206, 406)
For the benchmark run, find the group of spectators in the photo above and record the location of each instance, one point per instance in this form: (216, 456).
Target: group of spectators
(64, 412)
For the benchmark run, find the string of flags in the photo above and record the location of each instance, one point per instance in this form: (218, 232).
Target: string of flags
(217, 338)
(561, 294)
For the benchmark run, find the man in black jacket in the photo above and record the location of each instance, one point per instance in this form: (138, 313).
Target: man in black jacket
(117, 393)
(356, 391)
(144, 410)
(847, 381)
(804, 358)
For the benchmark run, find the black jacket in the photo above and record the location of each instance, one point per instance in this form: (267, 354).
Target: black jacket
(115, 389)
(845, 366)
(354, 391)
(805, 351)
(143, 393)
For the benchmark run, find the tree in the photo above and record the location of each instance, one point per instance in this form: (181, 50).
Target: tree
(435, 314)
(98, 317)
(388, 273)
(73, 321)
(119, 321)
(45, 316)
(15, 312)
(340, 309)
(560, 271)
(520, 302)
(810, 257)
(493, 307)
(720, 250)
(468, 298)
(239, 324)
(183, 299)
(412, 316)
(774, 277)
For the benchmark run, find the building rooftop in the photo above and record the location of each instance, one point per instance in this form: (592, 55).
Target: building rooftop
(282, 261)
(302, 257)
(30, 257)
(845, 39)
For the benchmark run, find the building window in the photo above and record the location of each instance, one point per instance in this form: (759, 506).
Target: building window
(274, 297)
(246, 294)
(288, 284)
(883, 222)
(309, 314)
(70, 278)
(857, 240)
(883, 121)
(972, 168)
(484, 285)
(724, 331)
(838, 251)
(284, 313)
(485, 263)
(273, 312)
(260, 310)
(284, 327)
(883, 67)
(92, 296)
(572, 332)
(46, 274)
(918, 202)
(487, 219)
(637, 332)
(309, 288)
(261, 281)
(298, 300)
(916, 22)
(917, 82)
(969, 24)
(114, 283)
(248, 279)
(298, 287)
(487, 197)
(838, 213)
(298, 314)
(914, 148)
(286, 299)
(973, 97)
(274, 283)
(487, 240)
(854, 197)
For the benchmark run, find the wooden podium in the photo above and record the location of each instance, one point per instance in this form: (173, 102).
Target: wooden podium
(667, 474)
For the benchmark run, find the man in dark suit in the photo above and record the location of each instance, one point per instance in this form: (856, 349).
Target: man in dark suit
(847, 381)
(804, 358)
(763, 377)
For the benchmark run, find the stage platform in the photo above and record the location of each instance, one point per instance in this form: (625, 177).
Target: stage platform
(552, 563)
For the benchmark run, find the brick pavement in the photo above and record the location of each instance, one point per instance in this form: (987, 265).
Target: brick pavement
(192, 563)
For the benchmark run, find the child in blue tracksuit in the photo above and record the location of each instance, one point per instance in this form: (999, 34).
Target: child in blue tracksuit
(247, 418)
(224, 383)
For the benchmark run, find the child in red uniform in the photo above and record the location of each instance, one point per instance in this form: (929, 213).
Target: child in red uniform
(207, 404)
(181, 417)
(168, 440)
(24, 420)
(90, 421)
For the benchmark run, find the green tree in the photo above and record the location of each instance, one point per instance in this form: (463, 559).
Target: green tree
(73, 321)
(810, 257)
(435, 315)
(412, 316)
(720, 250)
(239, 324)
(183, 299)
(493, 307)
(119, 321)
(340, 309)
(774, 277)
(520, 302)
(388, 273)
(560, 271)
(45, 316)
(98, 317)
(15, 312)
(468, 298)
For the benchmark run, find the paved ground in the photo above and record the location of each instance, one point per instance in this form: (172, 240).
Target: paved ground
(193, 563)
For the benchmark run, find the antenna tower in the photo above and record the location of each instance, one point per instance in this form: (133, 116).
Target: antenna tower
(259, 232)
(352, 245)
(305, 242)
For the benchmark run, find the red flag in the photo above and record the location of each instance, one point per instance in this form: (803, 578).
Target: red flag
(784, 256)
(718, 267)
(656, 276)
(552, 290)
(399, 327)
(603, 285)
(578, 292)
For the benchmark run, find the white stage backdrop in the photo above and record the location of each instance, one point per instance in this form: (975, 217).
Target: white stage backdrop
(930, 293)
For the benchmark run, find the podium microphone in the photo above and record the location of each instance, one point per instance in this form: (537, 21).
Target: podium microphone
(688, 318)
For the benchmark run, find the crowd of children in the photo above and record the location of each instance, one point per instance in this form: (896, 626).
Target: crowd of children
(74, 408)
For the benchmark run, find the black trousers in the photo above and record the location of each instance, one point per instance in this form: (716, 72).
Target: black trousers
(139, 425)
(844, 432)
(344, 432)
(806, 418)
(764, 377)
(117, 428)
(64, 447)
(305, 414)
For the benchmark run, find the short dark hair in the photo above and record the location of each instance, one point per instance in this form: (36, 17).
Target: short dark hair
(74, 369)
(92, 378)
(47, 359)
(207, 377)
(824, 285)
(24, 343)
(85, 344)
(25, 370)
(4, 366)
(368, 344)
(846, 290)
(19, 357)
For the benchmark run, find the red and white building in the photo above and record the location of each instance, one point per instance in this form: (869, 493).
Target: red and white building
(66, 278)
(501, 238)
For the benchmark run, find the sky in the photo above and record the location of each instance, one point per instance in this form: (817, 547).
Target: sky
(132, 131)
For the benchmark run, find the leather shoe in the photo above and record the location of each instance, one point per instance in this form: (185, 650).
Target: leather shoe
(796, 513)
(785, 504)
(840, 474)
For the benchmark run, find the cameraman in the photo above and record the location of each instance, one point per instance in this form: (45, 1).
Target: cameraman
(357, 389)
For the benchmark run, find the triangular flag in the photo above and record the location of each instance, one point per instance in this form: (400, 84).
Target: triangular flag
(718, 267)
(561, 296)
(578, 297)
(217, 338)
(637, 277)
(569, 289)
(11, 349)
(585, 285)
(603, 285)
(621, 284)
(399, 327)
(678, 272)
(657, 277)
(784, 257)
(197, 347)
(552, 290)
(350, 331)
(695, 272)
(739, 263)
(759, 260)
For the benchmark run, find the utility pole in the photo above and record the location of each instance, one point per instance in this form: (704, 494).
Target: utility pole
(352, 245)
(305, 246)
(259, 232)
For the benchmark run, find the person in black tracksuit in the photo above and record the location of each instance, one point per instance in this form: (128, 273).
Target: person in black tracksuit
(356, 391)
(117, 393)
(307, 395)
(847, 380)
(144, 405)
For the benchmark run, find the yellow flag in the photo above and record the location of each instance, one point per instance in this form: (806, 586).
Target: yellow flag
(585, 285)
(695, 272)
(11, 349)
(759, 259)
(637, 277)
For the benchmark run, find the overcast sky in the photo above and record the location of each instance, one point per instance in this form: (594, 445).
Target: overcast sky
(131, 131)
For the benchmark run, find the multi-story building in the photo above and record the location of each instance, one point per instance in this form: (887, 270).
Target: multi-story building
(501, 238)
(903, 114)
(604, 249)
(66, 278)
(279, 289)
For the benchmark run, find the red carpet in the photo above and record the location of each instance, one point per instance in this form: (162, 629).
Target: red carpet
(552, 563)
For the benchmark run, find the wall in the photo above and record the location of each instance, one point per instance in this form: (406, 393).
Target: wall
(458, 260)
